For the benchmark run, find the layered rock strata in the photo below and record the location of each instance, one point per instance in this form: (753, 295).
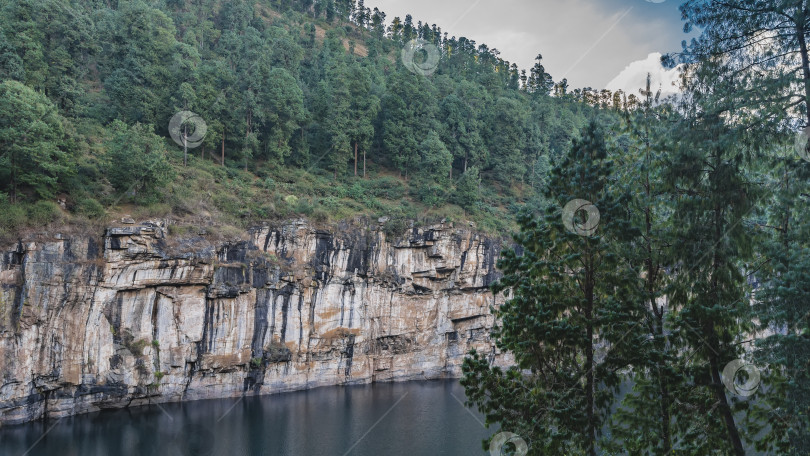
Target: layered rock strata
(138, 317)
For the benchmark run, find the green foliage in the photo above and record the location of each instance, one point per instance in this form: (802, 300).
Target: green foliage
(33, 152)
(138, 61)
(90, 208)
(568, 300)
(290, 113)
(44, 212)
(432, 180)
(285, 112)
(47, 45)
(726, 64)
(507, 140)
(15, 217)
(136, 164)
(136, 347)
(408, 117)
(278, 99)
(468, 189)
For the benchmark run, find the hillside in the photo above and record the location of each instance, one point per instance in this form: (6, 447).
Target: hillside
(311, 105)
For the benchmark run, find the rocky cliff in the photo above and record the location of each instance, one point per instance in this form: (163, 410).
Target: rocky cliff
(137, 316)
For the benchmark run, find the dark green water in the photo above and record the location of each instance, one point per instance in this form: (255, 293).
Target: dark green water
(409, 419)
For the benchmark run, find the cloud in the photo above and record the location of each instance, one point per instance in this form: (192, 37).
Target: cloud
(634, 77)
(586, 41)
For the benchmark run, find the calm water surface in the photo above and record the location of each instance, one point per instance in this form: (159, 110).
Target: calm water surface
(413, 419)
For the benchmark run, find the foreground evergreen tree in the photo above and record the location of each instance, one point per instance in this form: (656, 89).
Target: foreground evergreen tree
(783, 302)
(763, 44)
(655, 376)
(756, 56)
(713, 199)
(570, 312)
(783, 309)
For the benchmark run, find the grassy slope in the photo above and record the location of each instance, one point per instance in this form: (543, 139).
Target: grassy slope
(226, 200)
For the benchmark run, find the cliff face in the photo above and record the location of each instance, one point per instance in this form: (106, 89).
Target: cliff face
(138, 317)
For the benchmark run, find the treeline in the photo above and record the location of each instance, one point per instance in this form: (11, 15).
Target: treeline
(313, 85)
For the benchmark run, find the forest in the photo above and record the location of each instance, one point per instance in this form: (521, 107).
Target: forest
(666, 312)
(307, 107)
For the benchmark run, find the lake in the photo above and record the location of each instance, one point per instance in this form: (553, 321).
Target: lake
(413, 418)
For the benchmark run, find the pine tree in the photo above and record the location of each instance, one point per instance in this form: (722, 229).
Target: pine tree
(362, 112)
(540, 82)
(783, 304)
(32, 142)
(764, 45)
(713, 311)
(755, 58)
(332, 111)
(506, 139)
(432, 177)
(655, 377)
(461, 131)
(566, 316)
(284, 102)
(409, 109)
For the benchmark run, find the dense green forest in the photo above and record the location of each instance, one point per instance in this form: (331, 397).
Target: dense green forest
(310, 105)
(679, 324)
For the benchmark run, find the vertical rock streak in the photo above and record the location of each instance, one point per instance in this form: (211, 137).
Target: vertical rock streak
(140, 318)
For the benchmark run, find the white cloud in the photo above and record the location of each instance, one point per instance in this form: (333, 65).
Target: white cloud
(634, 77)
(586, 41)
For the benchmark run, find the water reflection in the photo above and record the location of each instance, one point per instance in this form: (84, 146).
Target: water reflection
(418, 418)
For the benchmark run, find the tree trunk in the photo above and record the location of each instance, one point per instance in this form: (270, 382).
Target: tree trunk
(13, 178)
(364, 163)
(663, 387)
(591, 432)
(714, 348)
(355, 159)
(725, 410)
(658, 314)
(590, 381)
(805, 63)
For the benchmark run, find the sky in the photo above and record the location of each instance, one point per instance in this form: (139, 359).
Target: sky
(593, 43)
